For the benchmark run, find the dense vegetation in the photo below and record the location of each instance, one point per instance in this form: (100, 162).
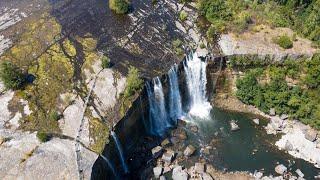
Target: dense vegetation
(292, 88)
(11, 75)
(303, 16)
(134, 82)
(119, 6)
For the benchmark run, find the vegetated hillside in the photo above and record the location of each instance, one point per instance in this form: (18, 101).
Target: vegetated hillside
(291, 87)
(303, 16)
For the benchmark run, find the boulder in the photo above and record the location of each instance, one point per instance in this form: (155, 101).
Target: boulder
(288, 146)
(179, 174)
(258, 175)
(162, 178)
(280, 169)
(311, 135)
(234, 126)
(189, 150)
(165, 142)
(256, 121)
(156, 151)
(194, 128)
(157, 171)
(168, 156)
(272, 112)
(284, 116)
(300, 174)
(199, 168)
(180, 134)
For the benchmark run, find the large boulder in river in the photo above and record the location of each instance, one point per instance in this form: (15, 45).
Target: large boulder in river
(157, 171)
(280, 169)
(179, 174)
(234, 125)
(256, 121)
(311, 135)
(189, 150)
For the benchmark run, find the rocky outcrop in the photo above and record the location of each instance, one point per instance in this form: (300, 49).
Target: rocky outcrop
(280, 169)
(261, 43)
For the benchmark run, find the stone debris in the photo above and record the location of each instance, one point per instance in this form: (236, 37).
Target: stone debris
(256, 121)
(180, 134)
(280, 169)
(199, 167)
(189, 151)
(156, 150)
(258, 175)
(272, 112)
(284, 116)
(300, 174)
(179, 174)
(168, 156)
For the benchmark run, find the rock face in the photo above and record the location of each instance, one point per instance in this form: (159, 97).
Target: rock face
(189, 151)
(311, 135)
(280, 169)
(179, 174)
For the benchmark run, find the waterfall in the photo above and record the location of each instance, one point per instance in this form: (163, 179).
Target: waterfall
(110, 165)
(175, 107)
(196, 78)
(120, 151)
(158, 121)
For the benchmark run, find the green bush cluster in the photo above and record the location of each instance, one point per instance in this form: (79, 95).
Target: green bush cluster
(11, 75)
(134, 82)
(119, 6)
(284, 42)
(105, 62)
(177, 46)
(183, 16)
(43, 136)
(301, 16)
(301, 101)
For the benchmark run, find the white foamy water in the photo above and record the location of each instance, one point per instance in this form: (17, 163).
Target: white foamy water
(195, 70)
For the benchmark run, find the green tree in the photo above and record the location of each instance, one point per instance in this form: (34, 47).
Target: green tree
(11, 75)
(312, 78)
(119, 6)
(134, 82)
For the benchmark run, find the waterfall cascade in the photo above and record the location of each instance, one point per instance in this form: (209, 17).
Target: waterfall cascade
(160, 118)
(175, 106)
(110, 165)
(195, 70)
(120, 151)
(157, 111)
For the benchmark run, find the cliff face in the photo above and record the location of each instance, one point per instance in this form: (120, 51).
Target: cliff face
(61, 43)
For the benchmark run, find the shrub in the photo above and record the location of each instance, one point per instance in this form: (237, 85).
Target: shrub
(105, 62)
(183, 16)
(177, 46)
(43, 136)
(284, 42)
(134, 82)
(119, 6)
(11, 75)
(55, 116)
(202, 46)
